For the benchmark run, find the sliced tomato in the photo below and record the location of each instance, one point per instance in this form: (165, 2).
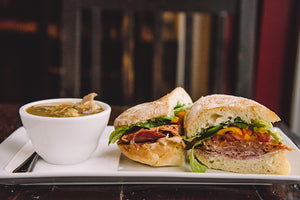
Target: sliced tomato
(264, 137)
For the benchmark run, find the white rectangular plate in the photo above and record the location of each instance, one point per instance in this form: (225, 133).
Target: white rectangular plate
(108, 166)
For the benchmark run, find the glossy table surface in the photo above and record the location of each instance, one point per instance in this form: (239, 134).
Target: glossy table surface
(10, 121)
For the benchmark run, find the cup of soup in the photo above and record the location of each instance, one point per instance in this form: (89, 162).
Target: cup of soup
(61, 137)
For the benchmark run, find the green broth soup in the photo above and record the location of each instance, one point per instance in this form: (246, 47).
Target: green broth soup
(65, 109)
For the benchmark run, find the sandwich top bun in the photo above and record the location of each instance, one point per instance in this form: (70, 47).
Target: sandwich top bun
(155, 109)
(214, 109)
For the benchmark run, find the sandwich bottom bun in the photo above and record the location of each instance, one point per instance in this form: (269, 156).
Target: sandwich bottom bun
(164, 152)
(271, 163)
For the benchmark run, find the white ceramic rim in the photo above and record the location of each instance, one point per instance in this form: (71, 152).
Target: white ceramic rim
(22, 110)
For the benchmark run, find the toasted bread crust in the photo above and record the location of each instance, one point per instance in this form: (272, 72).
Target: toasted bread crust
(151, 110)
(270, 163)
(213, 109)
(164, 152)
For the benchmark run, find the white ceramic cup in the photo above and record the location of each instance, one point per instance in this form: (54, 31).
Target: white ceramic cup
(68, 140)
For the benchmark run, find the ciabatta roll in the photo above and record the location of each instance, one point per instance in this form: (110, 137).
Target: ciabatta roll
(150, 133)
(234, 134)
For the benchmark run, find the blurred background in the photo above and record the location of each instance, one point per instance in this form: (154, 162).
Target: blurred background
(135, 51)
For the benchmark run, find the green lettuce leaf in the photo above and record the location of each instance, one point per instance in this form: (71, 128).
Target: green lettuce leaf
(181, 107)
(240, 123)
(164, 120)
(269, 127)
(212, 130)
(204, 134)
(117, 134)
(194, 163)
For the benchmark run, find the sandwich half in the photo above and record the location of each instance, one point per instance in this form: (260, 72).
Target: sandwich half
(234, 134)
(151, 133)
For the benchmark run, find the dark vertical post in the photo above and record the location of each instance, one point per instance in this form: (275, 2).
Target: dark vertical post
(157, 56)
(96, 74)
(219, 52)
(188, 50)
(71, 48)
(246, 48)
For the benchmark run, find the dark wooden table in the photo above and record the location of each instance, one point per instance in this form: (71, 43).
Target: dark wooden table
(9, 121)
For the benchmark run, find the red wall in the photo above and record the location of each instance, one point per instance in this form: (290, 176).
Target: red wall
(274, 43)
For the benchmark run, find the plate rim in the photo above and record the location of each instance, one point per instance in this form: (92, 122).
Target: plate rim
(132, 177)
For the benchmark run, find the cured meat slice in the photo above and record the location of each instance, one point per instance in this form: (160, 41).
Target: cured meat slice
(152, 134)
(240, 149)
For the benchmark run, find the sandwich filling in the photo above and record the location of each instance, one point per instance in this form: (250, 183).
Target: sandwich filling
(235, 139)
(151, 130)
(151, 134)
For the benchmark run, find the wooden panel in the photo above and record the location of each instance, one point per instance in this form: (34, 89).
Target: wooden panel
(188, 50)
(246, 48)
(218, 58)
(164, 5)
(180, 68)
(128, 75)
(96, 74)
(157, 56)
(71, 36)
(200, 65)
(71, 48)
